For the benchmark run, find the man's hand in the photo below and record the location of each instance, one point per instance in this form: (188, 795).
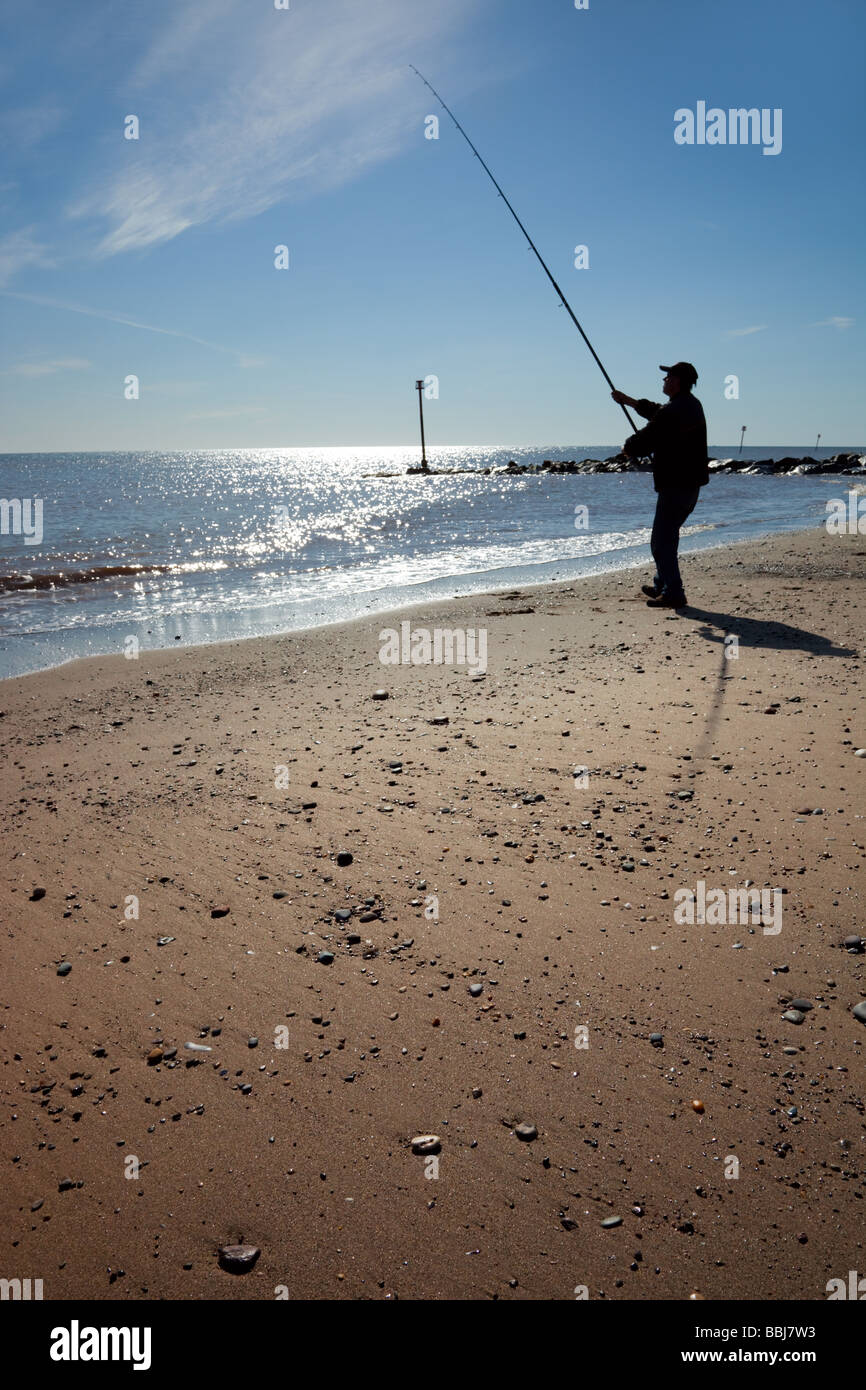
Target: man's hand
(622, 399)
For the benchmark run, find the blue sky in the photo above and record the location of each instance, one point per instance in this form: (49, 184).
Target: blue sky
(305, 127)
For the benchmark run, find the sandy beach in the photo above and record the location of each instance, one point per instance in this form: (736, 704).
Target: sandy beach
(506, 947)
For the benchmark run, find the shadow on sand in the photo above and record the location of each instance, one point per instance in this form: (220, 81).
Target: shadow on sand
(750, 632)
(761, 632)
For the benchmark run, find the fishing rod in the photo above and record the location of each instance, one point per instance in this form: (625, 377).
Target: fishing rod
(532, 244)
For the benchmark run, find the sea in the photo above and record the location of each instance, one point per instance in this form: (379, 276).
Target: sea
(154, 549)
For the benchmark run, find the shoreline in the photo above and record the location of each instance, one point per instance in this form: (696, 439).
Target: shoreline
(529, 586)
(502, 950)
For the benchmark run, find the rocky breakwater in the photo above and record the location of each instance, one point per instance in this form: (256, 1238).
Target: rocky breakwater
(839, 463)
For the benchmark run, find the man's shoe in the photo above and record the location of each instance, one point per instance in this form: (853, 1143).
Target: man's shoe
(650, 589)
(664, 600)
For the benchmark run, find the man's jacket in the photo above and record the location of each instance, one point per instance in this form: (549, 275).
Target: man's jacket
(676, 436)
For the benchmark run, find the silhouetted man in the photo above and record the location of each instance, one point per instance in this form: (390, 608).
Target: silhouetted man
(676, 436)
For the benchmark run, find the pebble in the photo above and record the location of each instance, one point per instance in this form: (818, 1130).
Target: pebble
(344, 858)
(802, 1004)
(325, 958)
(380, 694)
(426, 1144)
(793, 1016)
(860, 752)
(656, 1039)
(698, 1106)
(164, 940)
(610, 1221)
(343, 914)
(37, 895)
(238, 1259)
(859, 1012)
(791, 1051)
(477, 1093)
(64, 969)
(475, 990)
(526, 1132)
(219, 912)
(155, 1055)
(197, 1047)
(853, 943)
(252, 1042)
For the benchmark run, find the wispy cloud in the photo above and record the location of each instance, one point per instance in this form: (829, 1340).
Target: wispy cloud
(744, 332)
(194, 33)
(20, 249)
(113, 317)
(252, 105)
(60, 364)
(835, 321)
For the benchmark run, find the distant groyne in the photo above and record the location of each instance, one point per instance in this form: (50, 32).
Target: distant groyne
(805, 466)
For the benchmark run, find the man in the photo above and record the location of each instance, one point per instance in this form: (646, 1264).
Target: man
(676, 436)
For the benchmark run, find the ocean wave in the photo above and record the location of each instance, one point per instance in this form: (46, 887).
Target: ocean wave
(61, 579)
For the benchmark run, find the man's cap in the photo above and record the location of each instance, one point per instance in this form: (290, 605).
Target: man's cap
(684, 371)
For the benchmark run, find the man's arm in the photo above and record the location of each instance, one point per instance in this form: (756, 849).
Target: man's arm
(643, 407)
(647, 440)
